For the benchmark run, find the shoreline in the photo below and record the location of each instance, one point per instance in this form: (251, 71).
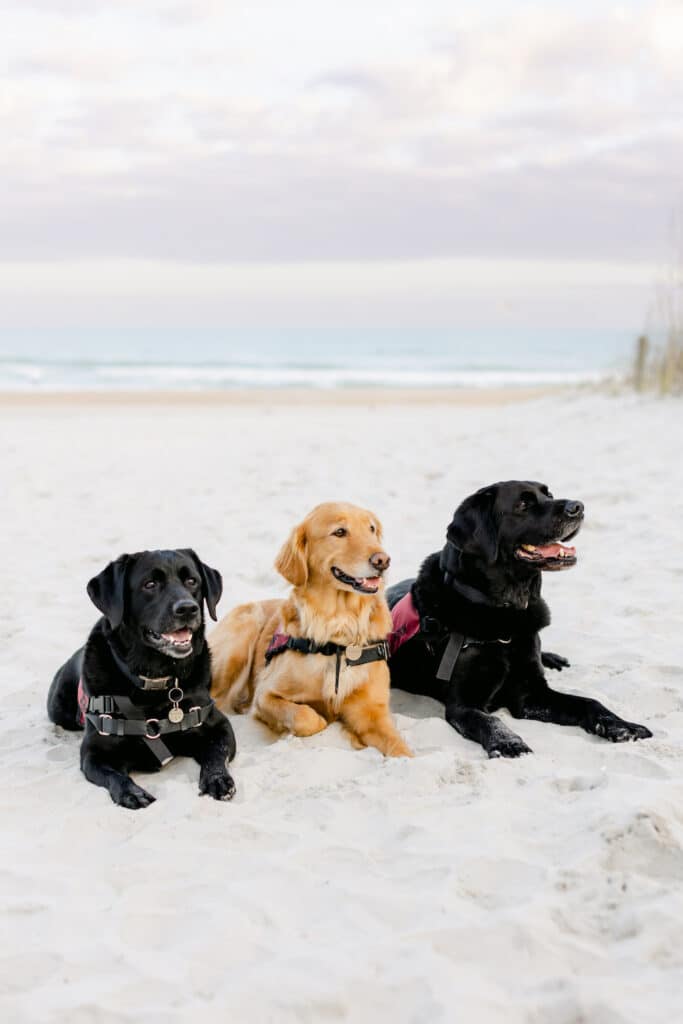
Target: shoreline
(284, 396)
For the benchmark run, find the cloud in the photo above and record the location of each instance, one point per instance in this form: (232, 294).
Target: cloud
(527, 131)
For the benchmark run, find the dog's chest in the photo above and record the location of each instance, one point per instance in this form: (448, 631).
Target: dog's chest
(334, 692)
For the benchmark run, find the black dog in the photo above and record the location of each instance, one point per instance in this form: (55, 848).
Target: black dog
(140, 686)
(466, 630)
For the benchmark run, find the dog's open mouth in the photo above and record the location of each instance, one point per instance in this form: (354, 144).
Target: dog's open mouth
(548, 556)
(177, 644)
(363, 584)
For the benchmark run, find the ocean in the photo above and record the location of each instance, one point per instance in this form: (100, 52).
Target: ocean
(327, 358)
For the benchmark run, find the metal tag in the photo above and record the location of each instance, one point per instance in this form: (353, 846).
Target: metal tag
(176, 715)
(353, 652)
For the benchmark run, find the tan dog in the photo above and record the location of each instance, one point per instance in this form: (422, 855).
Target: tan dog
(335, 562)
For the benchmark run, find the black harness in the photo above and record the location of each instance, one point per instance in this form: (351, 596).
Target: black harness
(449, 561)
(355, 654)
(457, 643)
(132, 721)
(114, 715)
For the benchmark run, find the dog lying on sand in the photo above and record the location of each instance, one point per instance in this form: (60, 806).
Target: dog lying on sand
(320, 654)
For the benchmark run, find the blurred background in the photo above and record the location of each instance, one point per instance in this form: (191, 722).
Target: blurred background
(202, 193)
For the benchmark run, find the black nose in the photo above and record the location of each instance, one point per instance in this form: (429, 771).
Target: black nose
(380, 561)
(573, 509)
(185, 609)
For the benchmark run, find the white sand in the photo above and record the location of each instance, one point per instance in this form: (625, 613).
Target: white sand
(339, 886)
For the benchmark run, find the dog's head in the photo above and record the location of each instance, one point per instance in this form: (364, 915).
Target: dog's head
(517, 523)
(158, 596)
(337, 545)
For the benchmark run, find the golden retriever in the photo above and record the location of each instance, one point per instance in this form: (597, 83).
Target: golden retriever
(336, 564)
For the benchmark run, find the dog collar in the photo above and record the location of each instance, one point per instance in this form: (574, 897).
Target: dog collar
(449, 563)
(156, 684)
(142, 682)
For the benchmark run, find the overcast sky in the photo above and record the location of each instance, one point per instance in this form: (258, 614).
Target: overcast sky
(310, 162)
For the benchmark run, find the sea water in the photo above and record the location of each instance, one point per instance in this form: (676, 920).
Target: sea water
(184, 359)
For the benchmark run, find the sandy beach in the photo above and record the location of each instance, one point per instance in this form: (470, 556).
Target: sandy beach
(339, 886)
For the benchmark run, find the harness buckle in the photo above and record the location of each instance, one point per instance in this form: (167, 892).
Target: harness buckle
(154, 735)
(101, 731)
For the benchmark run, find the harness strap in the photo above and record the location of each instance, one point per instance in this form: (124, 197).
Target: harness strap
(151, 728)
(408, 624)
(450, 657)
(376, 651)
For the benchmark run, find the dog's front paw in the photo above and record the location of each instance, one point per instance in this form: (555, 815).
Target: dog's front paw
(509, 746)
(307, 721)
(618, 731)
(219, 786)
(133, 797)
(554, 661)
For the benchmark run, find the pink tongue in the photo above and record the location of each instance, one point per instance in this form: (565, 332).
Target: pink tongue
(371, 581)
(553, 550)
(181, 636)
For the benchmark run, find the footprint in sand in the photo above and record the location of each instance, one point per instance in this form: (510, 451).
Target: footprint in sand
(647, 845)
(499, 882)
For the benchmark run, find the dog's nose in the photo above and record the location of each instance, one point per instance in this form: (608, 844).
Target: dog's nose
(573, 509)
(380, 561)
(185, 609)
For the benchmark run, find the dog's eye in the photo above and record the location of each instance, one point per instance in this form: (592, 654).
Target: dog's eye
(522, 506)
(372, 528)
(190, 582)
(150, 585)
(341, 532)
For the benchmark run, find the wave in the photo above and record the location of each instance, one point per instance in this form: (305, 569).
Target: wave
(53, 376)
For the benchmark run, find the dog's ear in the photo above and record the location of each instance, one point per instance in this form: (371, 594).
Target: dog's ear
(212, 582)
(292, 559)
(107, 590)
(473, 529)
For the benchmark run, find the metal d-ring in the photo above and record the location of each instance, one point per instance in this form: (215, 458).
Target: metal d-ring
(156, 735)
(102, 718)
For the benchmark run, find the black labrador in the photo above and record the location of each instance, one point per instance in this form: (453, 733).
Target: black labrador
(466, 630)
(140, 685)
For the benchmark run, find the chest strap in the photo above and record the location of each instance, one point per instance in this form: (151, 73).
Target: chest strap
(355, 654)
(133, 722)
(458, 642)
(407, 624)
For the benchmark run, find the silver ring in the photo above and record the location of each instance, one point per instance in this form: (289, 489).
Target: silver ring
(155, 736)
(102, 718)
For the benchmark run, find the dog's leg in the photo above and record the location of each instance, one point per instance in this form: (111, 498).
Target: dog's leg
(214, 777)
(546, 705)
(282, 714)
(496, 739)
(212, 748)
(370, 720)
(554, 661)
(122, 789)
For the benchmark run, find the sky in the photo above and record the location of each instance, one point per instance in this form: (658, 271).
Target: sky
(314, 163)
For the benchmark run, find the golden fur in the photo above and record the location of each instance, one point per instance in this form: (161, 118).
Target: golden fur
(295, 692)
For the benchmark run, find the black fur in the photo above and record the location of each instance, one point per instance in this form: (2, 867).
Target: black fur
(141, 597)
(480, 586)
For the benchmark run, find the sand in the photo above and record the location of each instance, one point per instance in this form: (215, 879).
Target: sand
(339, 886)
